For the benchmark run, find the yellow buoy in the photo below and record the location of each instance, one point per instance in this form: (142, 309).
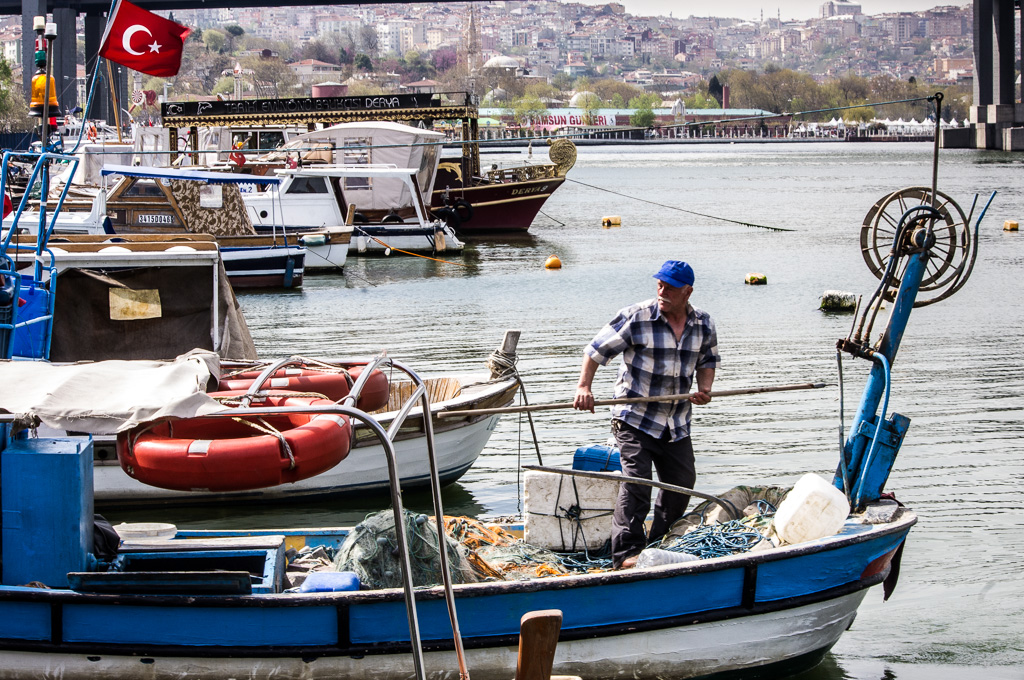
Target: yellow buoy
(553, 263)
(1010, 225)
(611, 221)
(756, 279)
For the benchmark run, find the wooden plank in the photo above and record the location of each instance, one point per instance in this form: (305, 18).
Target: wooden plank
(538, 637)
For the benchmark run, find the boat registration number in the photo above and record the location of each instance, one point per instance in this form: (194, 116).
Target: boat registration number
(155, 219)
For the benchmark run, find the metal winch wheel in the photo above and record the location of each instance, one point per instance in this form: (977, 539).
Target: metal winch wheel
(950, 256)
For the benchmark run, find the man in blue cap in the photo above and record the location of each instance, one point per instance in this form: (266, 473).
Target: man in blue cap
(664, 342)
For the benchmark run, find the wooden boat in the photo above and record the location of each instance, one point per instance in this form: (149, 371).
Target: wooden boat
(474, 200)
(213, 603)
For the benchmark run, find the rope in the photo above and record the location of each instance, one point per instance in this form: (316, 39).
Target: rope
(677, 208)
(503, 365)
(266, 428)
(406, 252)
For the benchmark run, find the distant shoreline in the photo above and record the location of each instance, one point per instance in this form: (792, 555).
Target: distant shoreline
(541, 142)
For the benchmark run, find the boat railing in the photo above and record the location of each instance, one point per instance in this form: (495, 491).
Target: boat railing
(347, 407)
(9, 321)
(521, 173)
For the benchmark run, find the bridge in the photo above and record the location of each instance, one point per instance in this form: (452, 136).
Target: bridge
(997, 120)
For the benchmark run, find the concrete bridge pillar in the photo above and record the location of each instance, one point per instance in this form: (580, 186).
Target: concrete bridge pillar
(995, 113)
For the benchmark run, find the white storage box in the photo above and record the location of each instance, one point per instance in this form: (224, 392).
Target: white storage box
(568, 513)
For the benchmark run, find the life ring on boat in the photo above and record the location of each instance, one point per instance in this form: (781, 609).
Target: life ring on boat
(91, 132)
(228, 454)
(464, 208)
(449, 216)
(335, 385)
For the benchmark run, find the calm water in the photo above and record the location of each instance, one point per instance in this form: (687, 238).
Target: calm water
(959, 608)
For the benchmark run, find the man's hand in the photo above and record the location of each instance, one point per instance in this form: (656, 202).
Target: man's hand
(700, 398)
(584, 400)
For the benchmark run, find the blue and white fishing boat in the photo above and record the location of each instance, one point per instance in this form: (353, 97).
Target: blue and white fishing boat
(218, 604)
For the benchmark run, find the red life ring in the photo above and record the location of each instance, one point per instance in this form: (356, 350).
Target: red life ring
(334, 385)
(222, 454)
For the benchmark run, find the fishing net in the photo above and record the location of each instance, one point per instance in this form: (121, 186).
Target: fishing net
(497, 554)
(371, 552)
(744, 525)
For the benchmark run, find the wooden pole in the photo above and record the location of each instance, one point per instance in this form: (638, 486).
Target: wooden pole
(113, 96)
(627, 400)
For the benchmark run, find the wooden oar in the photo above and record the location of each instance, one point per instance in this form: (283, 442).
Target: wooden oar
(626, 400)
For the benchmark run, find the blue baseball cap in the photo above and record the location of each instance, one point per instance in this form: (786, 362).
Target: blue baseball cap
(675, 273)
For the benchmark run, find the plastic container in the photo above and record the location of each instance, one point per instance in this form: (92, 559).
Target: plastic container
(146, 530)
(655, 557)
(329, 582)
(598, 458)
(812, 510)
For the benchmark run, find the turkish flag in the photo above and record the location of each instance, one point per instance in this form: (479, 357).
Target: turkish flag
(143, 41)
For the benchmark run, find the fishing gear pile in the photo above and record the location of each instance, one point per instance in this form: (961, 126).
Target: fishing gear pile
(371, 552)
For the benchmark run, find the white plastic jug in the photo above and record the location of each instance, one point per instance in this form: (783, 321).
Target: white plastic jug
(655, 557)
(813, 509)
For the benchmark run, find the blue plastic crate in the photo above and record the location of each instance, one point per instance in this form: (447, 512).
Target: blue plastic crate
(597, 458)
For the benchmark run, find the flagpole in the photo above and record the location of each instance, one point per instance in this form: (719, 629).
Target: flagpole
(113, 96)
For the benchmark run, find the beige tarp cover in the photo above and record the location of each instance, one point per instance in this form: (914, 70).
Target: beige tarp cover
(107, 397)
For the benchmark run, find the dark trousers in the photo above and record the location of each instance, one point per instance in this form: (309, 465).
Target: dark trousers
(638, 451)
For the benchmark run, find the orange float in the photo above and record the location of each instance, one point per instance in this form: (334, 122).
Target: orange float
(223, 454)
(333, 384)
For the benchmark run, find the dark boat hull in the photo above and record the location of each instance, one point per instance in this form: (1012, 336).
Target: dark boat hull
(501, 207)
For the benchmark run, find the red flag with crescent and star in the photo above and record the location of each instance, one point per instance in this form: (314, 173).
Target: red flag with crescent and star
(143, 41)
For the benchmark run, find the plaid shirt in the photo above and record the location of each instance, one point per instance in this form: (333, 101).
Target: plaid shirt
(654, 364)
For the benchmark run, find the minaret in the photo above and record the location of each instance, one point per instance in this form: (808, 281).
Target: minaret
(471, 40)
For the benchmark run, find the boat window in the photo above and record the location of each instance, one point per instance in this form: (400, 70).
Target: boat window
(144, 187)
(271, 139)
(356, 151)
(211, 196)
(242, 139)
(307, 185)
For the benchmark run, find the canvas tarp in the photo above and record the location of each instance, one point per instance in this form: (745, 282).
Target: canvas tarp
(107, 397)
(180, 315)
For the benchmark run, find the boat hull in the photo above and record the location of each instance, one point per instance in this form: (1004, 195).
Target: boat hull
(781, 609)
(500, 208)
(457, 445)
(264, 267)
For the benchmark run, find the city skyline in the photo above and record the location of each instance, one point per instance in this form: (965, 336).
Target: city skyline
(751, 9)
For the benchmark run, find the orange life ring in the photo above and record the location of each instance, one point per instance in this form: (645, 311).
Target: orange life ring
(334, 385)
(222, 454)
(91, 132)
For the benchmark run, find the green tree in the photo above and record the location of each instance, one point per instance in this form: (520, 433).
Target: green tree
(235, 30)
(13, 110)
(715, 88)
(642, 117)
(525, 110)
(617, 101)
(215, 40)
(363, 62)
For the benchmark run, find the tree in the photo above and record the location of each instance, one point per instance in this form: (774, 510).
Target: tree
(642, 117)
(526, 109)
(235, 30)
(715, 88)
(444, 59)
(214, 40)
(13, 111)
(363, 62)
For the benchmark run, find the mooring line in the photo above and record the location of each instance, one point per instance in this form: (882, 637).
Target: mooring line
(674, 207)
